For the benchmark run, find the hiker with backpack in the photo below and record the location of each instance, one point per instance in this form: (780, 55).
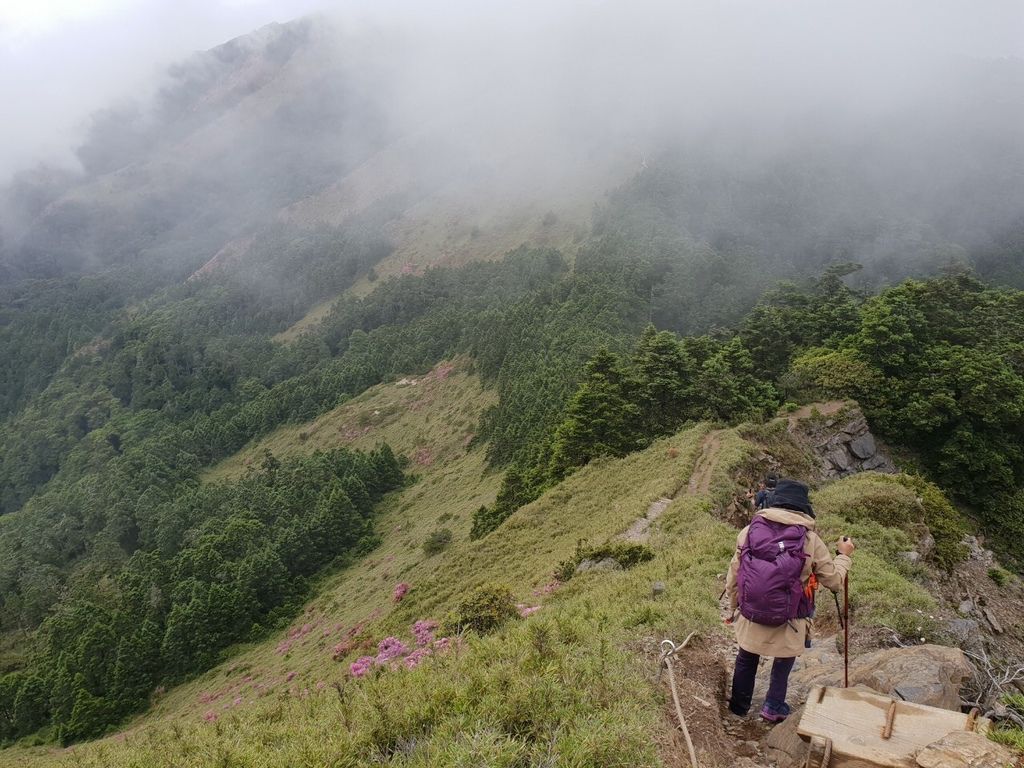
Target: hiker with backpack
(763, 497)
(779, 562)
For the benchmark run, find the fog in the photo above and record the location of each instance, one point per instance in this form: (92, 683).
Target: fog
(921, 101)
(579, 68)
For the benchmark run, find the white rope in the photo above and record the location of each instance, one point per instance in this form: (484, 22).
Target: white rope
(670, 649)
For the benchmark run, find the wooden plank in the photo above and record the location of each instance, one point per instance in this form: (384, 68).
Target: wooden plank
(855, 719)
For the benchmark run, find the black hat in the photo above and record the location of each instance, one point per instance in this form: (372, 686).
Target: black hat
(790, 494)
(771, 480)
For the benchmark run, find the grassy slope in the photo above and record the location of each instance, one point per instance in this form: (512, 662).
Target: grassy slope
(565, 685)
(452, 232)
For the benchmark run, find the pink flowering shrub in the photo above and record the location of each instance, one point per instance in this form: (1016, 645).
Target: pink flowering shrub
(400, 590)
(210, 716)
(527, 610)
(237, 700)
(290, 677)
(283, 647)
(423, 631)
(413, 659)
(361, 666)
(390, 648)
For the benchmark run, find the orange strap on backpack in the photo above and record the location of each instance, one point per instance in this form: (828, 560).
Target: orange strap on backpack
(812, 587)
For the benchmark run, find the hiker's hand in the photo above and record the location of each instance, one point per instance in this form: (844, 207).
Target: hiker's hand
(845, 546)
(728, 616)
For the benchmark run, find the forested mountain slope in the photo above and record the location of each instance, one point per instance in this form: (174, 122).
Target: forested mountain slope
(274, 333)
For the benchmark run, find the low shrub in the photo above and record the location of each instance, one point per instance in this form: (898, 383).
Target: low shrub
(483, 611)
(999, 576)
(437, 542)
(627, 554)
(900, 501)
(1007, 733)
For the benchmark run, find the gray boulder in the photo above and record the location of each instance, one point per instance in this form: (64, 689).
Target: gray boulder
(863, 447)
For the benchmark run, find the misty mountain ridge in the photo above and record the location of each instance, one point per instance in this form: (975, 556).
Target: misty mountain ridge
(292, 123)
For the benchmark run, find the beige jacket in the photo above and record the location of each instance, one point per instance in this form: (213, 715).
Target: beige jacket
(787, 640)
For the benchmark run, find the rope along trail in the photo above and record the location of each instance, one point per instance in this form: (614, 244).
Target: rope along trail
(670, 649)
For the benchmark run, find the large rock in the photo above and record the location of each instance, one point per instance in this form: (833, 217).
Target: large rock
(926, 674)
(863, 447)
(840, 459)
(961, 749)
(843, 445)
(929, 674)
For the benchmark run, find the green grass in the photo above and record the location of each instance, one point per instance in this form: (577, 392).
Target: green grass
(430, 418)
(882, 590)
(562, 687)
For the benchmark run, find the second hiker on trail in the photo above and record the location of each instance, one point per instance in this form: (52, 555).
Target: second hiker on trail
(779, 562)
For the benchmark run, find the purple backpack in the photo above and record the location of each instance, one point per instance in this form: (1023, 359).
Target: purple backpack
(771, 563)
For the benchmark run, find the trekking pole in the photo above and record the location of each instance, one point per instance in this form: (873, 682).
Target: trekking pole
(846, 631)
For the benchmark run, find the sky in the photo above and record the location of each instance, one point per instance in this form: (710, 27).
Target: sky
(62, 59)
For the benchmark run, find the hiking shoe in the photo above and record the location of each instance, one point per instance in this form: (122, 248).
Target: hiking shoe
(775, 713)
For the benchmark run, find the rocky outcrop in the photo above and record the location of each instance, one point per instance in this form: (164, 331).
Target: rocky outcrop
(964, 750)
(925, 674)
(842, 442)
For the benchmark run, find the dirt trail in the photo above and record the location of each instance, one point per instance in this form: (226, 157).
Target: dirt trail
(700, 480)
(639, 531)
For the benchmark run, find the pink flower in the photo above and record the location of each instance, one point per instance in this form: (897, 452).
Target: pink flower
(210, 716)
(527, 610)
(291, 676)
(284, 646)
(237, 701)
(400, 590)
(390, 648)
(423, 631)
(413, 659)
(443, 643)
(360, 666)
(320, 685)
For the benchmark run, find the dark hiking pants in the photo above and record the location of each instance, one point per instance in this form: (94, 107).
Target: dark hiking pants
(746, 673)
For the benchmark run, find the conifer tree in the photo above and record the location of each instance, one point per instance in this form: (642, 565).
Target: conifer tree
(663, 376)
(600, 419)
